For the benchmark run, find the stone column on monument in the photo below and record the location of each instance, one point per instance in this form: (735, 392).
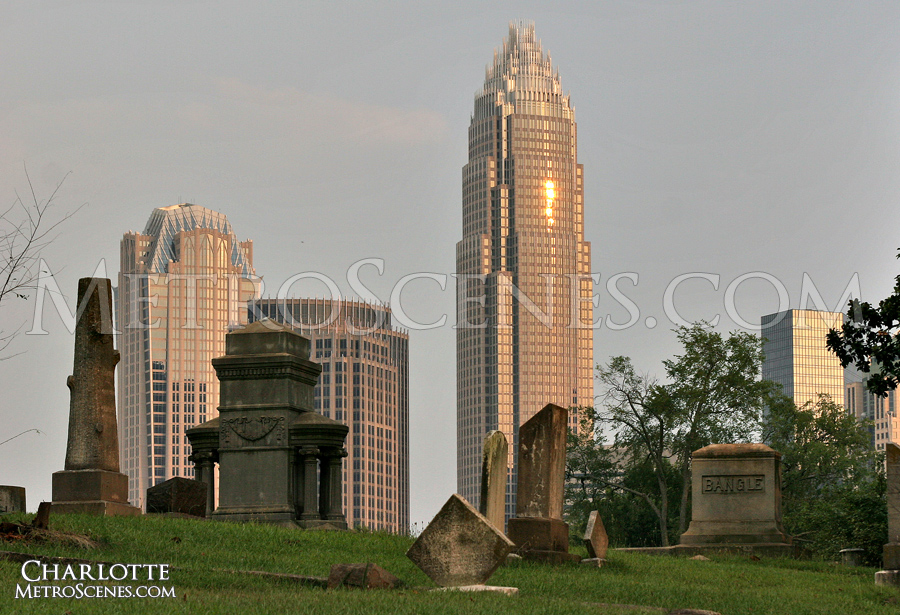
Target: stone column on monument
(309, 455)
(332, 491)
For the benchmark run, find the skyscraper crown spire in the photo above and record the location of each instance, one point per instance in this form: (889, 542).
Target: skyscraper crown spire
(520, 74)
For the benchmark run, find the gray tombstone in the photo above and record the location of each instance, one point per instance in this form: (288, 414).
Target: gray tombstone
(595, 539)
(279, 461)
(494, 463)
(178, 495)
(891, 573)
(538, 529)
(91, 482)
(12, 499)
(459, 547)
(736, 497)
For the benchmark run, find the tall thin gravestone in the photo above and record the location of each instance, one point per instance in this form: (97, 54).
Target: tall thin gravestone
(538, 529)
(891, 573)
(91, 482)
(493, 479)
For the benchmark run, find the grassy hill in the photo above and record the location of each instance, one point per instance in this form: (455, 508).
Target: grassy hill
(202, 553)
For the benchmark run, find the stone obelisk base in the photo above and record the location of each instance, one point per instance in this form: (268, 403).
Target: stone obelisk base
(92, 492)
(542, 539)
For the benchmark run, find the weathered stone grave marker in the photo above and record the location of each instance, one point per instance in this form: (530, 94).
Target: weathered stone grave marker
(538, 529)
(736, 498)
(460, 548)
(891, 573)
(279, 461)
(12, 499)
(493, 479)
(595, 540)
(178, 495)
(91, 482)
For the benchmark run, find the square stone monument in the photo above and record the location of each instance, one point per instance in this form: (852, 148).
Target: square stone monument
(538, 529)
(91, 482)
(279, 461)
(736, 498)
(12, 499)
(178, 495)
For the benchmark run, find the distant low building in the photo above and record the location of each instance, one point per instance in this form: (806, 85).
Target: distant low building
(364, 384)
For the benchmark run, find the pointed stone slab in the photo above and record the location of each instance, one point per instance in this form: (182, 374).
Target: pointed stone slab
(595, 539)
(494, 462)
(459, 546)
(542, 464)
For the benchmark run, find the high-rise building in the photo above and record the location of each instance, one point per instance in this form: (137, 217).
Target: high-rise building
(365, 385)
(183, 283)
(797, 358)
(524, 336)
(881, 411)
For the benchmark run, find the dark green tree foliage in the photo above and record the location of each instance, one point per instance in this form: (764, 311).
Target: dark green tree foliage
(870, 337)
(597, 482)
(716, 395)
(832, 481)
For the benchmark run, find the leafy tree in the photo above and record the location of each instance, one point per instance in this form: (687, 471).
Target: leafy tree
(832, 481)
(716, 395)
(601, 478)
(869, 337)
(642, 419)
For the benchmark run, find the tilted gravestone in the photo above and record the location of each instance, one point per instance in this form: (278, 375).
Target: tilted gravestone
(12, 499)
(891, 573)
(459, 547)
(493, 479)
(538, 529)
(178, 495)
(736, 497)
(595, 539)
(91, 482)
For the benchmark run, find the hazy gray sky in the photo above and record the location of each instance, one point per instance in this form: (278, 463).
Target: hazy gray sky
(717, 137)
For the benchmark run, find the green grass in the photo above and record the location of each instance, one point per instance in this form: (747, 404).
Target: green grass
(731, 585)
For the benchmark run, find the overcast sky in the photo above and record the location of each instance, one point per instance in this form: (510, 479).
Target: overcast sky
(717, 137)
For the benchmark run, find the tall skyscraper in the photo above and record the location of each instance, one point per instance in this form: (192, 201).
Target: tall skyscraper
(524, 336)
(364, 384)
(881, 411)
(796, 355)
(183, 283)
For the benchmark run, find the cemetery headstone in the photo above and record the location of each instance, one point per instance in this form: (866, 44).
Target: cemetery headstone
(91, 482)
(595, 539)
(538, 529)
(493, 479)
(736, 497)
(178, 495)
(12, 499)
(459, 547)
(891, 573)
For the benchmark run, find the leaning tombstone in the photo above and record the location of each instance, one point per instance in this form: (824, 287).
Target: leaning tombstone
(595, 540)
(538, 529)
(91, 482)
(891, 573)
(12, 499)
(178, 495)
(736, 501)
(460, 548)
(494, 463)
